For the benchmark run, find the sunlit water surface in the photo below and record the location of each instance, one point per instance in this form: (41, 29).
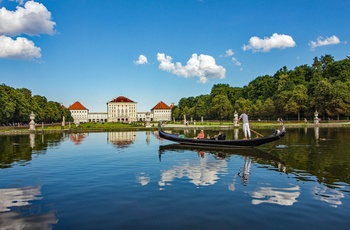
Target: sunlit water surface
(134, 180)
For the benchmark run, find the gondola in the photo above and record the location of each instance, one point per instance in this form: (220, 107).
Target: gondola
(254, 142)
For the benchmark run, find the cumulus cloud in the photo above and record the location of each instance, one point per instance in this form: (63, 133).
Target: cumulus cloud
(31, 19)
(324, 42)
(276, 41)
(202, 66)
(142, 60)
(228, 53)
(21, 48)
(236, 62)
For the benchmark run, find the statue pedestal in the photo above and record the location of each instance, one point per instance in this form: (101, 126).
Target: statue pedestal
(32, 123)
(235, 119)
(148, 120)
(316, 120)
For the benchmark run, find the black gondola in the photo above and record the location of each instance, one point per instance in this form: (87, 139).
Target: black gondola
(254, 142)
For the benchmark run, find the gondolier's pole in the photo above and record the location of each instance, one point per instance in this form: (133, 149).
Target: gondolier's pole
(256, 133)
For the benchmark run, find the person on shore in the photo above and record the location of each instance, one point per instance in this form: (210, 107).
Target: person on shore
(246, 129)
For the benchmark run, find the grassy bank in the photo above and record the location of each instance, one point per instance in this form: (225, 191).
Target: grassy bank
(139, 126)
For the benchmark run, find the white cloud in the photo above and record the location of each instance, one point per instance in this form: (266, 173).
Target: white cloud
(202, 66)
(324, 42)
(142, 60)
(228, 53)
(279, 41)
(32, 19)
(21, 2)
(236, 62)
(21, 48)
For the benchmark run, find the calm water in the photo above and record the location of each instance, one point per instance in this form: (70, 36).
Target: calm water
(133, 180)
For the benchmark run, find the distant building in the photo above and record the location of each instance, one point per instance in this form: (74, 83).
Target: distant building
(79, 112)
(141, 116)
(121, 109)
(161, 112)
(97, 117)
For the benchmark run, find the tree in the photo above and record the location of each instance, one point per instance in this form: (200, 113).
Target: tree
(7, 104)
(261, 88)
(257, 108)
(243, 105)
(339, 103)
(268, 109)
(201, 107)
(297, 101)
(321, 96)
(220, 108)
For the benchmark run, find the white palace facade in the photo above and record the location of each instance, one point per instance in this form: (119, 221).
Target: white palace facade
(120, 109)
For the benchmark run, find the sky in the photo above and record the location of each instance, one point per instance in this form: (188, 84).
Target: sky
(93, 51)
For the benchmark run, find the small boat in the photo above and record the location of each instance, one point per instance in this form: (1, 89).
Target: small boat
(254, 142)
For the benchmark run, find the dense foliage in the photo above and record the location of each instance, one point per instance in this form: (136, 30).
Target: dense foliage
(288, 94)
(17, 104)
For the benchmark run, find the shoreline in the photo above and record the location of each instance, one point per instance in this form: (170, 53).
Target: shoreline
(254, 125)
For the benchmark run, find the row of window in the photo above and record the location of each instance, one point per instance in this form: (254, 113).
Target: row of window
(162, 111)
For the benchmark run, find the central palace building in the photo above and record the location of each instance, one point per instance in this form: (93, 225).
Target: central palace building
(120, 109)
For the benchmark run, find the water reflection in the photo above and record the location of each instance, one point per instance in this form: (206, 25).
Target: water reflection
(15, 197)
(18, 212)
(143, 178)
(317, 133)
(272, 195)
(246, 170)
(32, 140)
(121, 139)
(77, 138)
(203, 173)
(330, 196)
(206, 171)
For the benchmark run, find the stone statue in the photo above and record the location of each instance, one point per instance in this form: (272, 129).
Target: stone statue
(235, 119)
(316, 120)
(32, 122)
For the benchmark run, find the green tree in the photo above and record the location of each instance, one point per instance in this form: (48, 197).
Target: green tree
(268, 109)
(339, 102)
(221, 108)
(298, 100)
(7, 104)
(201, 107)
(261, 88)
(257, 108)
(321, 96)
(243, 105)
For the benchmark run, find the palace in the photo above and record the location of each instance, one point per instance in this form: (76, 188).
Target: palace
(120, 109)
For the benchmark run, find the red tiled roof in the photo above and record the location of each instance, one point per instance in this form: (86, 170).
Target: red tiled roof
(161, 105)
(121, 99)
(77, 106)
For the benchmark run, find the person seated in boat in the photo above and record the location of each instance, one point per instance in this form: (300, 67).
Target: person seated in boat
(220, 136)
(276, 131)
(200, 135)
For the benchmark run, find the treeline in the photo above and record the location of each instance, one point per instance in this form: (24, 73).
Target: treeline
(288, 94)
(17, 104)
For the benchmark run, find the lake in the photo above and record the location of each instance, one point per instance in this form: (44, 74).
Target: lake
(135, 180)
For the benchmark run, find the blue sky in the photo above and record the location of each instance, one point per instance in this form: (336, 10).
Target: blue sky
(160, 50)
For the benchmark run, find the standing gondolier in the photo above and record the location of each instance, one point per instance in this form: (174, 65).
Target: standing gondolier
(246, 129)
